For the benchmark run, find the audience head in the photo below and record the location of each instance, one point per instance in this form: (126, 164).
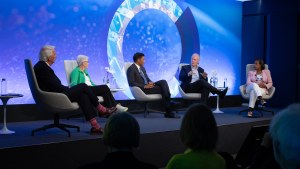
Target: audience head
(83, 61)
(285, 133)
(47, 54)
(259, 64)
(121, 132)
(199, 129)
(195, 59)
(139, 58)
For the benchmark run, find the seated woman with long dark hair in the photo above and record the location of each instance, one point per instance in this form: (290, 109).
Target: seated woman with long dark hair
(258, 83)
(199, 133)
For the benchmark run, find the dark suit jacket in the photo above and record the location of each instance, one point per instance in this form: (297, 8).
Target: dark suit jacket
(120, 160)
(47, 80)
(134, 77)
(185, 79)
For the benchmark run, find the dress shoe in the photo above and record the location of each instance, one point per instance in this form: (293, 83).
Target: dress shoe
(262, 102)
(170, 114)
(250, 114)
(95, 131)
(109, 111)
(222, 93)
(121, 108)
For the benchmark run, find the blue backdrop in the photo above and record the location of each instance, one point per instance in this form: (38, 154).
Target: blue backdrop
(110, 32)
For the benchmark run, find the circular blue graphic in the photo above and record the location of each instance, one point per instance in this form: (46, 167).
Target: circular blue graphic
(158, 38)
(126, 11)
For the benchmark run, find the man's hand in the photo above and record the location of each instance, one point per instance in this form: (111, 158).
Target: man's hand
(151, 83)
(149, 86)
(204, 75)
(190, 73)
(262, 85)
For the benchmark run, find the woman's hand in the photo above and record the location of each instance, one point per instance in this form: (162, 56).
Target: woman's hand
(262, 85)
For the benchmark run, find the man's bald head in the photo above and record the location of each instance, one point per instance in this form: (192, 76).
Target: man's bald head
(195, 59)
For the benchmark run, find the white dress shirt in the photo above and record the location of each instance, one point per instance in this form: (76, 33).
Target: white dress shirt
(195, 75)
(138, 66)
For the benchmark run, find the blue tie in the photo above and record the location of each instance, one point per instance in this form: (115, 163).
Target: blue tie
(143, 76)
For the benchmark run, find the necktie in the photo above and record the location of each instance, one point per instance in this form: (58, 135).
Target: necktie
(143, 76)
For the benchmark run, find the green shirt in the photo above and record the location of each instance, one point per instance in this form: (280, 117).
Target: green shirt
(77, 77)
(197, 160)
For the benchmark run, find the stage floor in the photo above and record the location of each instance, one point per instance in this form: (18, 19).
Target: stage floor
(154, 123)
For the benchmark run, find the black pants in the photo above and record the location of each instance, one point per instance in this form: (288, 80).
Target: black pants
(161, 87)
(85, 97)
(104, 91)
(203, 87)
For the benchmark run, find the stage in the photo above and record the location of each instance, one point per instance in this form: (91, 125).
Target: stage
(159, 140)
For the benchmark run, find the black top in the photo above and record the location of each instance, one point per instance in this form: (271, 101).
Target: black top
(120, 160)
(185, 78)
(134, 77)
(47, 80)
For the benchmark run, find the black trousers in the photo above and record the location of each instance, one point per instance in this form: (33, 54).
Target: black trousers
(161, 87)
(203, 87)
(85, 97)
(104, 91)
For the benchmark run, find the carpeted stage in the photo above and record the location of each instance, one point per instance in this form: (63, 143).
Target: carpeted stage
(159, 141)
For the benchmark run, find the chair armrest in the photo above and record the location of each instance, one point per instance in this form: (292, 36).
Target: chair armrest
(137, 93)
(243, 92)
(56, 100)
(271, 91)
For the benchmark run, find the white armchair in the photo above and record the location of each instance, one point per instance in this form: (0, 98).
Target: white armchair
(70, 65)
(188, 96)
(265, 97)
(139, 95)
(55, 103)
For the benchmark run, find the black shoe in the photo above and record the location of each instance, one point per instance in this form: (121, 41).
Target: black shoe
(222, 93)
(95, 131)
(262, 102)
(173, 103)
(169, 114)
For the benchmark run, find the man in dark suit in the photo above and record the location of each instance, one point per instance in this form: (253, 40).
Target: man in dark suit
(194, 80)
(87, 100)
(137, 76)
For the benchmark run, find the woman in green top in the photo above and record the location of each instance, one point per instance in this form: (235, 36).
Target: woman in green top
(199, 133)
(80, 75)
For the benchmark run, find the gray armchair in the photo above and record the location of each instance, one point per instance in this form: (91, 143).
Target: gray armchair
(139, 95)
(265, 97)
(188, 96)
(54, 103)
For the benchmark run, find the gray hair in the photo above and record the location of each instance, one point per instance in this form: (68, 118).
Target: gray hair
(286, 137)
(196, 54)
(81, 59)
(45, 52)
(121, 131)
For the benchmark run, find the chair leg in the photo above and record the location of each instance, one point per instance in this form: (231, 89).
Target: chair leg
(242, 111)
(44, 128)
(146, 112)
(262, 109)
(56, 124)
(70, 126)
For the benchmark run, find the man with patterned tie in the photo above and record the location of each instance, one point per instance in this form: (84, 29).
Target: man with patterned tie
(137, 76)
